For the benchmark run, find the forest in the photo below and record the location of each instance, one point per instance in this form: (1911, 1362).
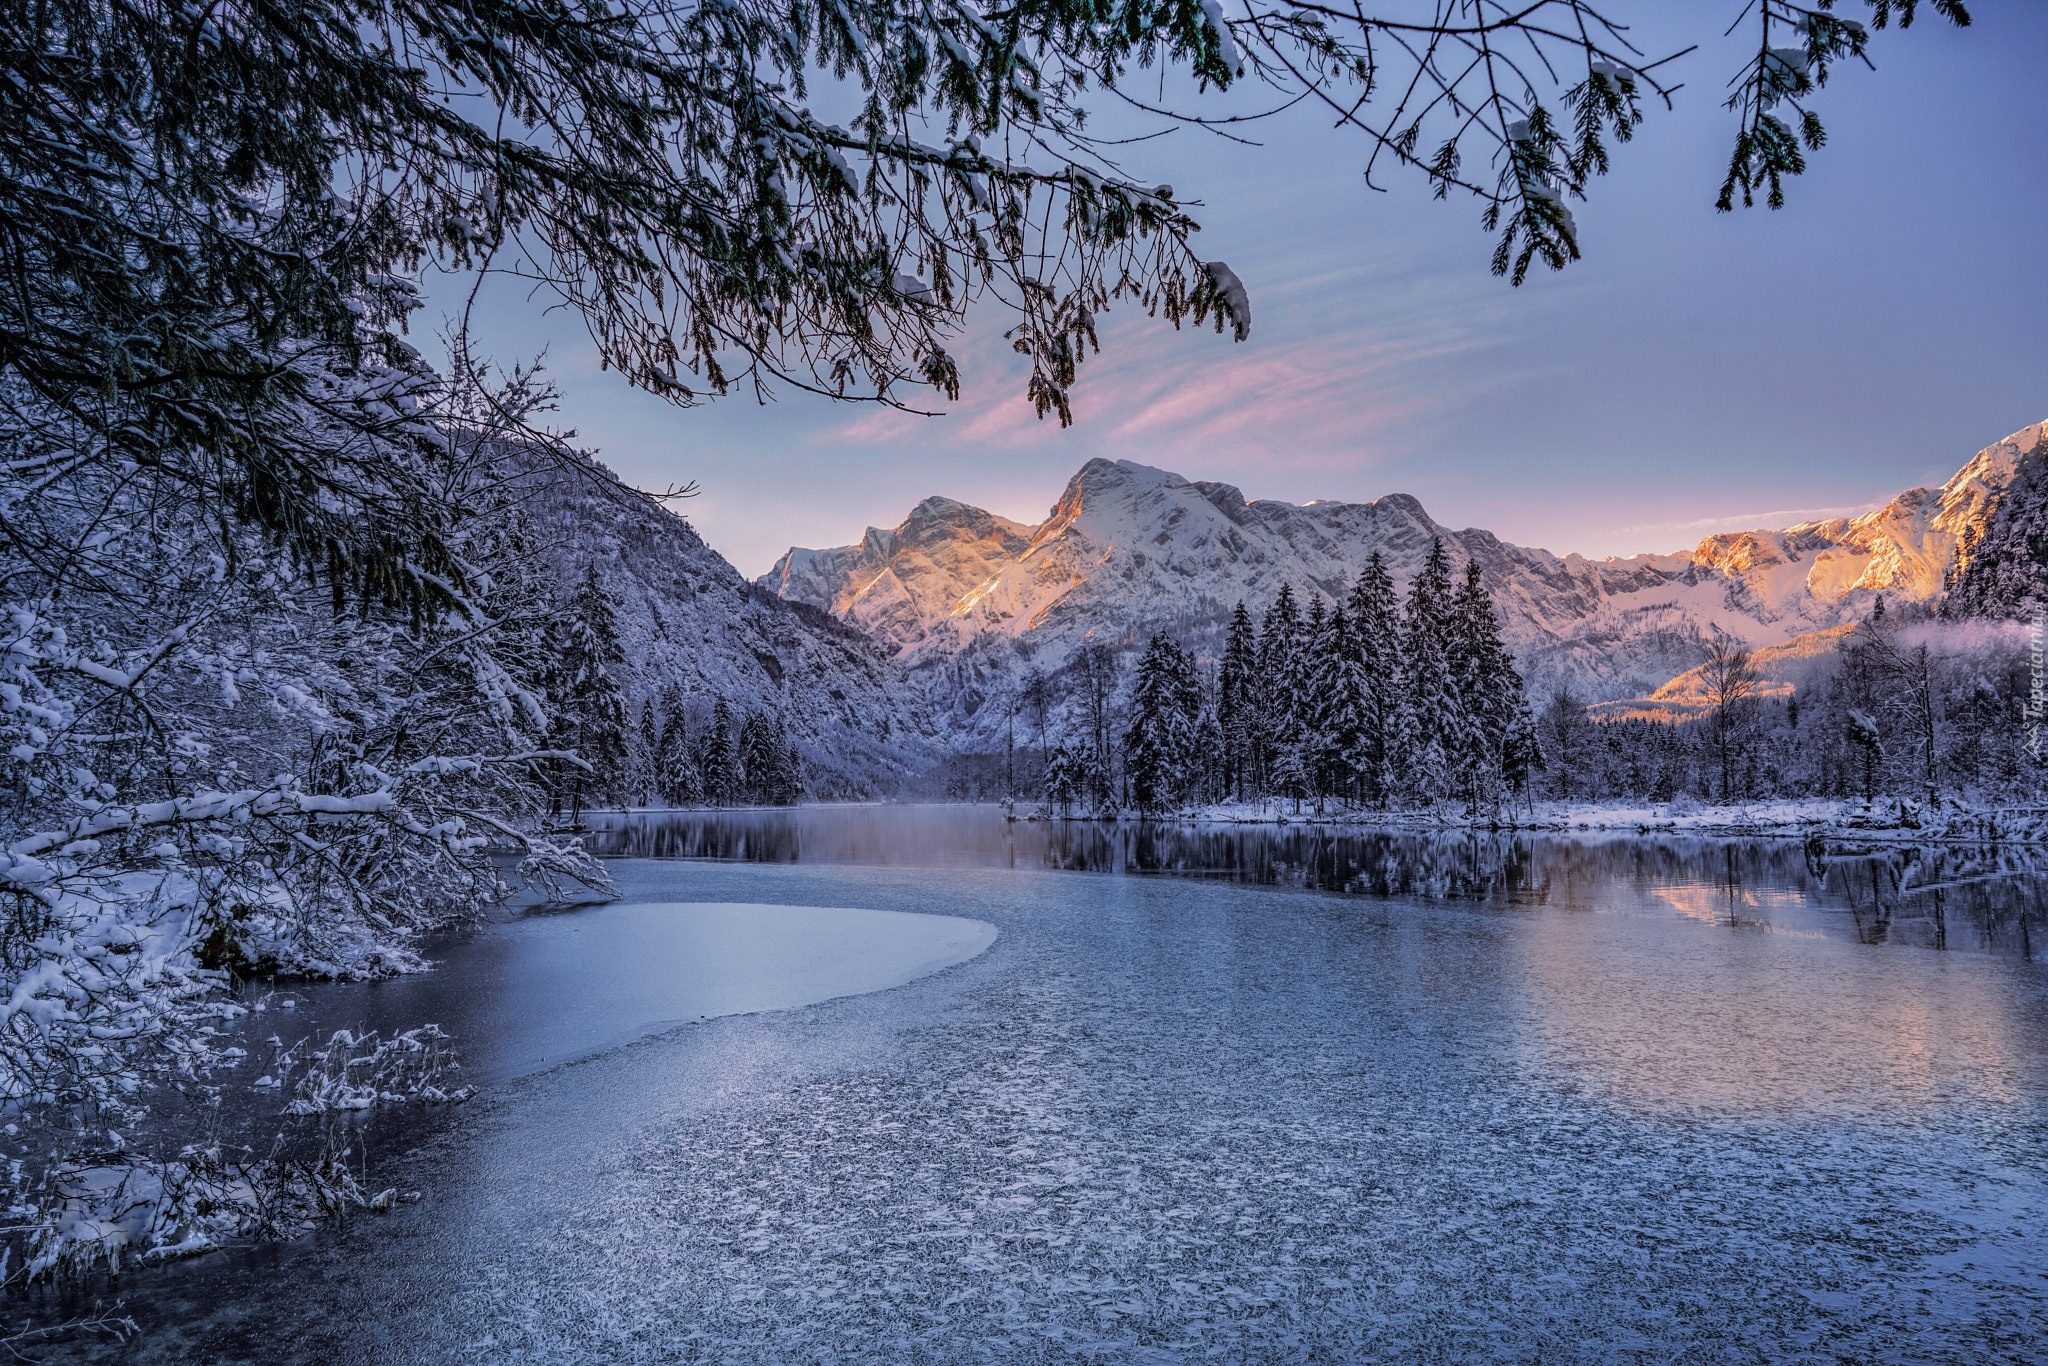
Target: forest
(1378, 705)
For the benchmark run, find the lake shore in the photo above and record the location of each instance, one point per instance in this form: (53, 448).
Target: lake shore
(1888, 821)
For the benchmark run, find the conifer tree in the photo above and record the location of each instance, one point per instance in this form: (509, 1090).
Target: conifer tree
(676, 768)
(1237, 704)
(1521, 756)
(769, 762)
(1488, 691)
(1064, 780)
(1159, 746)
(718, 757)
(1301, 682)
(760, 757)
(1209, 776)
(1338, 702)
(646, 764)
(792, 774)
(1375, 616)
(592, 709)
(1279, 645)
(1291, 771)
(1429, 719)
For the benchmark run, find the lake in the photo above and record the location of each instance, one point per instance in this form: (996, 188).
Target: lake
(921, 1084)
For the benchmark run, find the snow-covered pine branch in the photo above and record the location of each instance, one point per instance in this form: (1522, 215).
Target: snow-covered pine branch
(211, 772)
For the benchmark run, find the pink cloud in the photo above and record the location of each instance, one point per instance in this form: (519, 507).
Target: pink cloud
(1188, 402)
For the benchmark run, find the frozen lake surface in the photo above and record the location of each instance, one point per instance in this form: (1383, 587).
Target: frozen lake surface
(1307, 1101)
(551, 986)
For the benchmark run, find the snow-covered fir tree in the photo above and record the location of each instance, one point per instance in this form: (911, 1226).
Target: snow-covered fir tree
(645, 760)
(1338, 696)
(1065, 780)
(1374, 612)
(1303, 705)
(718, 758)
(592, 703)
(676, 773)
(1237, 704)
(1486, 692)
(772, 767)
(1160, 754)
(1278, 673)
(1428, 727)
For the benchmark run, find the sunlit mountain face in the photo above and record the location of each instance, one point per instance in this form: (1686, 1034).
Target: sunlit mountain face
(972, 602)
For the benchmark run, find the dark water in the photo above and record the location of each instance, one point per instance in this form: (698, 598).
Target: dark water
(1231, 1094)
(1980, 899)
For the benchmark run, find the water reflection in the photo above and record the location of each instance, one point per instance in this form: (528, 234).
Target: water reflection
(1977, 898)
(1720, 1026)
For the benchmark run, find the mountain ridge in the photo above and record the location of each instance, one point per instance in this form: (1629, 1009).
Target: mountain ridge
(689, 620)
(971, 603)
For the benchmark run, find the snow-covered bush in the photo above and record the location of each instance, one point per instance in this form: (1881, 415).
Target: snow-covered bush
(217, 764)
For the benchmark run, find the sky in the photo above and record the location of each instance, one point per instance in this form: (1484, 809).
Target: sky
(1695, 372)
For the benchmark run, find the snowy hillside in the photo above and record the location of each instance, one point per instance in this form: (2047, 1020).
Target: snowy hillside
(687, 616)
(2002, 568)
(896, 584)
(972, 601)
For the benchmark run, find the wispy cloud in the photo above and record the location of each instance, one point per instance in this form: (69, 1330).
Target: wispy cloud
(1199, 403)
(1774, 520)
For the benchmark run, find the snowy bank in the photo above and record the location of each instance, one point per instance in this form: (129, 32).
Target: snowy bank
(1888, 820)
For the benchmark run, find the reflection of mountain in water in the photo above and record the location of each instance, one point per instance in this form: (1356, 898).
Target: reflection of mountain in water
(1985, 899)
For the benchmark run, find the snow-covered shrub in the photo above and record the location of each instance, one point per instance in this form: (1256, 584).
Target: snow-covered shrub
(217, 763)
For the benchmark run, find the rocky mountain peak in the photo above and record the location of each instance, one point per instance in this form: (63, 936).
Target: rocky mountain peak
(971, 600)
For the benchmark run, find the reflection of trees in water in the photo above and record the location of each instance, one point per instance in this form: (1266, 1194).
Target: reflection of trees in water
(1967, 897)
(1961, 896)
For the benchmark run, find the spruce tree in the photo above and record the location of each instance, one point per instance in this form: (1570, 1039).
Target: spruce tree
(718, 757)
(675, 768)
(760, 757)
(1429, 718)
(1279, 645)
(1375, 615)
(1209, 777)
(1337, 698)
(592, 709)
(1237, 711)
(1488, 691)
(1521, 757)
(1302, 707)
(1291, 771)
(1159, 746)
(773, 766)
(793, 775)
(646, 764)
(1063, 778)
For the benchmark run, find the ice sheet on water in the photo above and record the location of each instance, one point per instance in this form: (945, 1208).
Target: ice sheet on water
(1275, 1141)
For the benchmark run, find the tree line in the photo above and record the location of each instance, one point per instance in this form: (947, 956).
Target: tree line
(1379, 702)
(731, 759)
(1375, 702)
(1914, 708)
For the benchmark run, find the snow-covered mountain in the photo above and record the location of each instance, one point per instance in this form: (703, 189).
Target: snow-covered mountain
(687, 616)
(971, 601)
(2002, 560)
